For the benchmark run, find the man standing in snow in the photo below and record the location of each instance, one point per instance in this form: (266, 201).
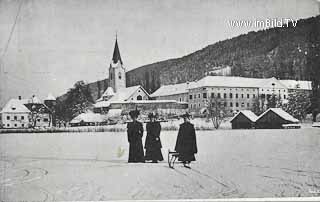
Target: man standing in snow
(135, 133)
(186, 144)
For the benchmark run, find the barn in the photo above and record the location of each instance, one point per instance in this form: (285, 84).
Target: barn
(274, 118)
(244, 119)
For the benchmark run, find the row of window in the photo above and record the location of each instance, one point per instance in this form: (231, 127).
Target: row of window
(15, 118)
(224, 104)
(225, 95)
(229, 89)
(15, 125)
(273, 90)
(263, 96)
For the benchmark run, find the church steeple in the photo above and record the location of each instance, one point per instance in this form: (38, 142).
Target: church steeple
(116, 53)
(117, 72)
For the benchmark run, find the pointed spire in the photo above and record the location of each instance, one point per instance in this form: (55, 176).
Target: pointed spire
(116, 53)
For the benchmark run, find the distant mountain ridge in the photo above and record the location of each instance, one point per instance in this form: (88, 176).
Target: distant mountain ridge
(276, 52)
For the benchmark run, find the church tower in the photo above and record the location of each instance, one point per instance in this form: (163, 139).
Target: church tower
(117, 76)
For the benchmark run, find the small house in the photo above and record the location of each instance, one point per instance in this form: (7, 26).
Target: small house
(274, 118)
(244, 119)
(88, 119)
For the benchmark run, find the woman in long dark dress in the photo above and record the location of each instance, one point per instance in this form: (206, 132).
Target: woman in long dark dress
(186, 144)
(135, 133)
(153, 143)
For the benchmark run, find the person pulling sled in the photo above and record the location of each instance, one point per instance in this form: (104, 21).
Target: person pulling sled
(186, 144)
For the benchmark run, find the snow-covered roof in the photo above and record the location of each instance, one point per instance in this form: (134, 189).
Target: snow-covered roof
(50, 97)
(102, 103)
(89, 118)
(232, 81)
(280, 113)
(15, 106)
(293, 84)
(124, 94)
(173, 89)
(108, 92)
(247, 113)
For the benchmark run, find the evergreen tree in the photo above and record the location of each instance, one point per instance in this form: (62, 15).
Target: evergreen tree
(78, 100)
(297, 105)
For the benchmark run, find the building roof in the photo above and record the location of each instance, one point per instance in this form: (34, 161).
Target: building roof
(293, 84)
(173, 89)
(102, 103)
(50, 97)
(232, 81)
(124, 94)
(116, 54)
(280, 113)
(108, 92)
(89, 118)
(15, 106)
(247, 113)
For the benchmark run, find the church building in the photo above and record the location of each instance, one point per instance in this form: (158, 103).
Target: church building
(117, 90)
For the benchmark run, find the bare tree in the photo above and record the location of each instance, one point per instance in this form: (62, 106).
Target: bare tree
(216, 111)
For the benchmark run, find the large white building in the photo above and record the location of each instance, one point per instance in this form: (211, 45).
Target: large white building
(233, 93)
(25, 113)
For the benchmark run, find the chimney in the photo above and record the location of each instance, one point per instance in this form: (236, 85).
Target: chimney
(19, 97)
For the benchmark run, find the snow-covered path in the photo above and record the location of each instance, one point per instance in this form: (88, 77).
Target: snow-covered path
(92, 166)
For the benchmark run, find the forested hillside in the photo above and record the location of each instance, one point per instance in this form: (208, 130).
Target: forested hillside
(278, 52)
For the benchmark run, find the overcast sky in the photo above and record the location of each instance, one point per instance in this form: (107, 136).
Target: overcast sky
(57, 42)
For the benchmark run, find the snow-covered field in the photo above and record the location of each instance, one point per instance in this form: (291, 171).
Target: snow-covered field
(92, 166)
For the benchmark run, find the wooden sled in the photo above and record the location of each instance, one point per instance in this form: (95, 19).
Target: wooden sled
(172, 157)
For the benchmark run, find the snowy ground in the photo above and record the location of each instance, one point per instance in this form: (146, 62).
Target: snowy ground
(92, 166)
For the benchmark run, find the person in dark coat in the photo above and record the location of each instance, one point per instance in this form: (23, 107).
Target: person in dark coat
(153, 143)
(135, 133)
(186, 144)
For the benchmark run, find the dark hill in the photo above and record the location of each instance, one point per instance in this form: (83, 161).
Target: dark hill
(278, 52)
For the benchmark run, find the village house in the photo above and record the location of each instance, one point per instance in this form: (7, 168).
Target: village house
(25, 113)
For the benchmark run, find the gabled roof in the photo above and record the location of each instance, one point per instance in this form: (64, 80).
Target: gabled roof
(280, 113)
(15, 106)
(108, 92)
(233, 81)
(124, 94)
(116, 54)
(247, 113)
(293, 84)
(173, 89)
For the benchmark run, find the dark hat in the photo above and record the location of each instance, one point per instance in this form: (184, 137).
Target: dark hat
(187, 115)
(152, 115)
(134, 113)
